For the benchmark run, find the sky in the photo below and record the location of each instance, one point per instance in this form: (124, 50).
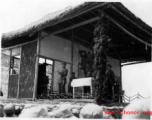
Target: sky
(15, 14)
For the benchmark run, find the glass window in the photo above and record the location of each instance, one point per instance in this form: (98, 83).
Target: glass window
(6, 52)
(41, 60)
(15, 61)
(15, 51)
(48, 69)
(49, 61)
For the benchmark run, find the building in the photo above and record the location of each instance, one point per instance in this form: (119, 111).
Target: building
(60, 37)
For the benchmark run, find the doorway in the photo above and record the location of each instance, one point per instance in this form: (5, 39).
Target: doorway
(45, 77)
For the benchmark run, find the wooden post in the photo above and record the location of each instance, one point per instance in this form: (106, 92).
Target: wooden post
(82, 91)
(78, 60)
(53, 69)
(15, 46)
(18, 89)
(72, 49)
(73, 93)
(120, 77)
(91, 90)
(9, 71)
(36, 67)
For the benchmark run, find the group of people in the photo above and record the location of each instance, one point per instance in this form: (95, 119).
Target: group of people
(63, 80)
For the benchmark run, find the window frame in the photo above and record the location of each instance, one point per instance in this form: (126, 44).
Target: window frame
(12, 63)
(52, 74)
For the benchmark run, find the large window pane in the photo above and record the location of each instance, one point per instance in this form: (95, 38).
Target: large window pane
(15, 61)
(49, 69)
(41, 60)
(15, 51)
(49, 61)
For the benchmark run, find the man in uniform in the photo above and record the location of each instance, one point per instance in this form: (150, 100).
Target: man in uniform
(62, 79)
(111, 80)
(70, 89)
(1, 93)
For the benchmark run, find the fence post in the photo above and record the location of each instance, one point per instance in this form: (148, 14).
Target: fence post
(73, 93)
(137, 95)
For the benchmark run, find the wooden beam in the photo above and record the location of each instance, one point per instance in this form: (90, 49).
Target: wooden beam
(18, 45)
(85, 19)
(78, 37)
(73, 26)
(80, 13)
(100, 5)
(120, 31)
(126, 31)
(131, 63)
(86, 30)
(127, 51)
(53, 59)
(81, 39)
(73, 35)
(77, 25)
(81, 26)
(130, 20)
(70, 39)
(62, 28)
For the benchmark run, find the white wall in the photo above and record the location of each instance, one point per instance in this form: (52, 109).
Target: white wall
(56, 48)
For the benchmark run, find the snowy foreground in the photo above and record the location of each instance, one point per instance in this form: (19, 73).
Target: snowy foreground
(64, 109)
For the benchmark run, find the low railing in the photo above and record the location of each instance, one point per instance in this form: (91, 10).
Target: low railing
(65, 96)
(125, 98)
(131, 98)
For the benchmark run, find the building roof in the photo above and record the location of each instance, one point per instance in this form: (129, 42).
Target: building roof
(83, 18)
(51, 19)
(70, 12)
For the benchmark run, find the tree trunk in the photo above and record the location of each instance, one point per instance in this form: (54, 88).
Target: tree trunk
(100, 63)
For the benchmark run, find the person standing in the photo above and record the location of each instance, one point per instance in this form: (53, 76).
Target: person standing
(45, 82)
(70, 89)
(111, 80)
(62, 78)
(1, 93)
